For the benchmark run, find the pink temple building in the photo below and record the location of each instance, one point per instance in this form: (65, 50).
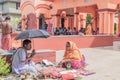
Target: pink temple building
(104, 14)
(71, 13)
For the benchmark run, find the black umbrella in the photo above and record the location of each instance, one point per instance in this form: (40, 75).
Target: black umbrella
(33, 34)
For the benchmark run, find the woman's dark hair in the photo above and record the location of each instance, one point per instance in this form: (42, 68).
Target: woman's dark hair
(68, 43)
(26, 42)
(7, 18)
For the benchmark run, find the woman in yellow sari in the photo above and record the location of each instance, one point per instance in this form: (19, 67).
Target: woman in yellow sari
(73, 54)
(89, 29)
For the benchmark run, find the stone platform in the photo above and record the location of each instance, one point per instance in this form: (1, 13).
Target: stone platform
(39, 56)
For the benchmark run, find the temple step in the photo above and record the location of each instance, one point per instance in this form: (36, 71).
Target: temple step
(116, 45)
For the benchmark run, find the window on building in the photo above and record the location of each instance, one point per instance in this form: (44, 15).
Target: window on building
(88, 0)
(17, 5)
(64, 2)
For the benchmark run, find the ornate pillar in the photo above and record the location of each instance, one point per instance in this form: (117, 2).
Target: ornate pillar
(37, 19)
(23, 22)
(76, 20)
(74, 17)
(37, 22)
(101, 22)
(118, 22)
(54, 21)
(66, 21)
(106, 21)
(56, 18)
(112, 22)
(109, 22)
(95, 21)
(82, 20)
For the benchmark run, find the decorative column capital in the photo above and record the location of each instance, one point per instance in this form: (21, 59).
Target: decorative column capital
(76, 13)
(107, 9)
(55, 15)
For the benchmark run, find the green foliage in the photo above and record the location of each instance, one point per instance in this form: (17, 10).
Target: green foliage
(88, 19)
(115, 28)
(14, 22)
(4, 66)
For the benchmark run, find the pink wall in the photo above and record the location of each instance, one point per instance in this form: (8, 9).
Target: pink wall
(58, 42)
(79, 3)
(105, 7)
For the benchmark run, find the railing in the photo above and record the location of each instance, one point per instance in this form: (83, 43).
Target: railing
(12, 10)
(2, 1)
(88, 0)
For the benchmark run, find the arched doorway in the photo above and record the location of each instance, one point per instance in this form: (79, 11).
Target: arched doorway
(31, 21)
(42, 22)
(63, 14)
(67, 18)
(62, 22)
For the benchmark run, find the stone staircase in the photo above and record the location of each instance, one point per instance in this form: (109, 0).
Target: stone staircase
(115, 38)
(116, 45)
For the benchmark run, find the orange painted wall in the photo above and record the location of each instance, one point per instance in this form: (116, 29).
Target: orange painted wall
(58, 42)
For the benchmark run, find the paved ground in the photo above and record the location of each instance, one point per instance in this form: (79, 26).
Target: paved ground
(102, 60)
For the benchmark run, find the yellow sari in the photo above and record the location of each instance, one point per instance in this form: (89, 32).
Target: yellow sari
(89, 30)
(74, 53)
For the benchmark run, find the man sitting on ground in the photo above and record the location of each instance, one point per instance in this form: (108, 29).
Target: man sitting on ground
(22, 61)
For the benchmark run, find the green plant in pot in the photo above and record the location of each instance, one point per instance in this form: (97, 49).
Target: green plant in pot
(88, 25)
(88, 19)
